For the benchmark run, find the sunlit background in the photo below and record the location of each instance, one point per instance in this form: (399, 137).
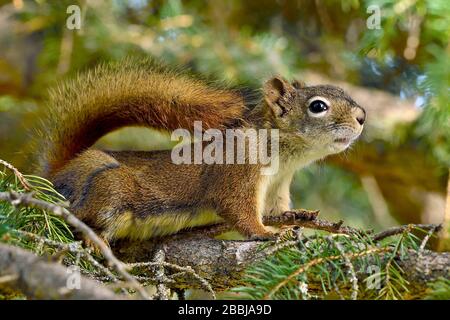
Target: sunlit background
(397, 69)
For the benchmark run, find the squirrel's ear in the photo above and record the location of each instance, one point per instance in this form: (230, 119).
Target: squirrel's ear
(298, 84)
(277, 91)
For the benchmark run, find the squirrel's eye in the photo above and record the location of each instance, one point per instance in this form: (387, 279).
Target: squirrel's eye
(317, 108)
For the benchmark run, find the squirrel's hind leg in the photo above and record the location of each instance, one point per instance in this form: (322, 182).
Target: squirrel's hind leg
(97, 187)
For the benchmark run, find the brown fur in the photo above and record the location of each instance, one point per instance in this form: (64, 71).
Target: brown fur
(144, 194)
(130, 93)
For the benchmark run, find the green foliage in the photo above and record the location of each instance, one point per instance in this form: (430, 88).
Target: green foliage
(439, 290)
(330, 267)
(29, 219)
(422, 29)
(35, 229)
(313, 188)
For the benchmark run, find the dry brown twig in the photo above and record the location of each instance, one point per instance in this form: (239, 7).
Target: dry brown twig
(300, 217)
(427, 237)
(400, 229)
(23, 181)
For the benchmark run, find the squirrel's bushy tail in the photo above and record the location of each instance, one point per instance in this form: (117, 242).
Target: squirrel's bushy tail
(129, 93)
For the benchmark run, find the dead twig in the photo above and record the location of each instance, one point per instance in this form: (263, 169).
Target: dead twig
(299, 217)
(426, 238)
(400, 229)
(18, 174)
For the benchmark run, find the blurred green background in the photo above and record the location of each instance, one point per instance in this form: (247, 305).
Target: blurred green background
(397, 69)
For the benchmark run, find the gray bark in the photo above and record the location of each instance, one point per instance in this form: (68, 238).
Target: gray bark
(40, 279)
(223, 263)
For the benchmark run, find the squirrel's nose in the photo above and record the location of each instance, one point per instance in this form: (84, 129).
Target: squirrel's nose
(360, 115)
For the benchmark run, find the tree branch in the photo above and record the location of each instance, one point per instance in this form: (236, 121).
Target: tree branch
(40, 279)
(397, 230)
(193, 259)
(223, 263)
(298, 217)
